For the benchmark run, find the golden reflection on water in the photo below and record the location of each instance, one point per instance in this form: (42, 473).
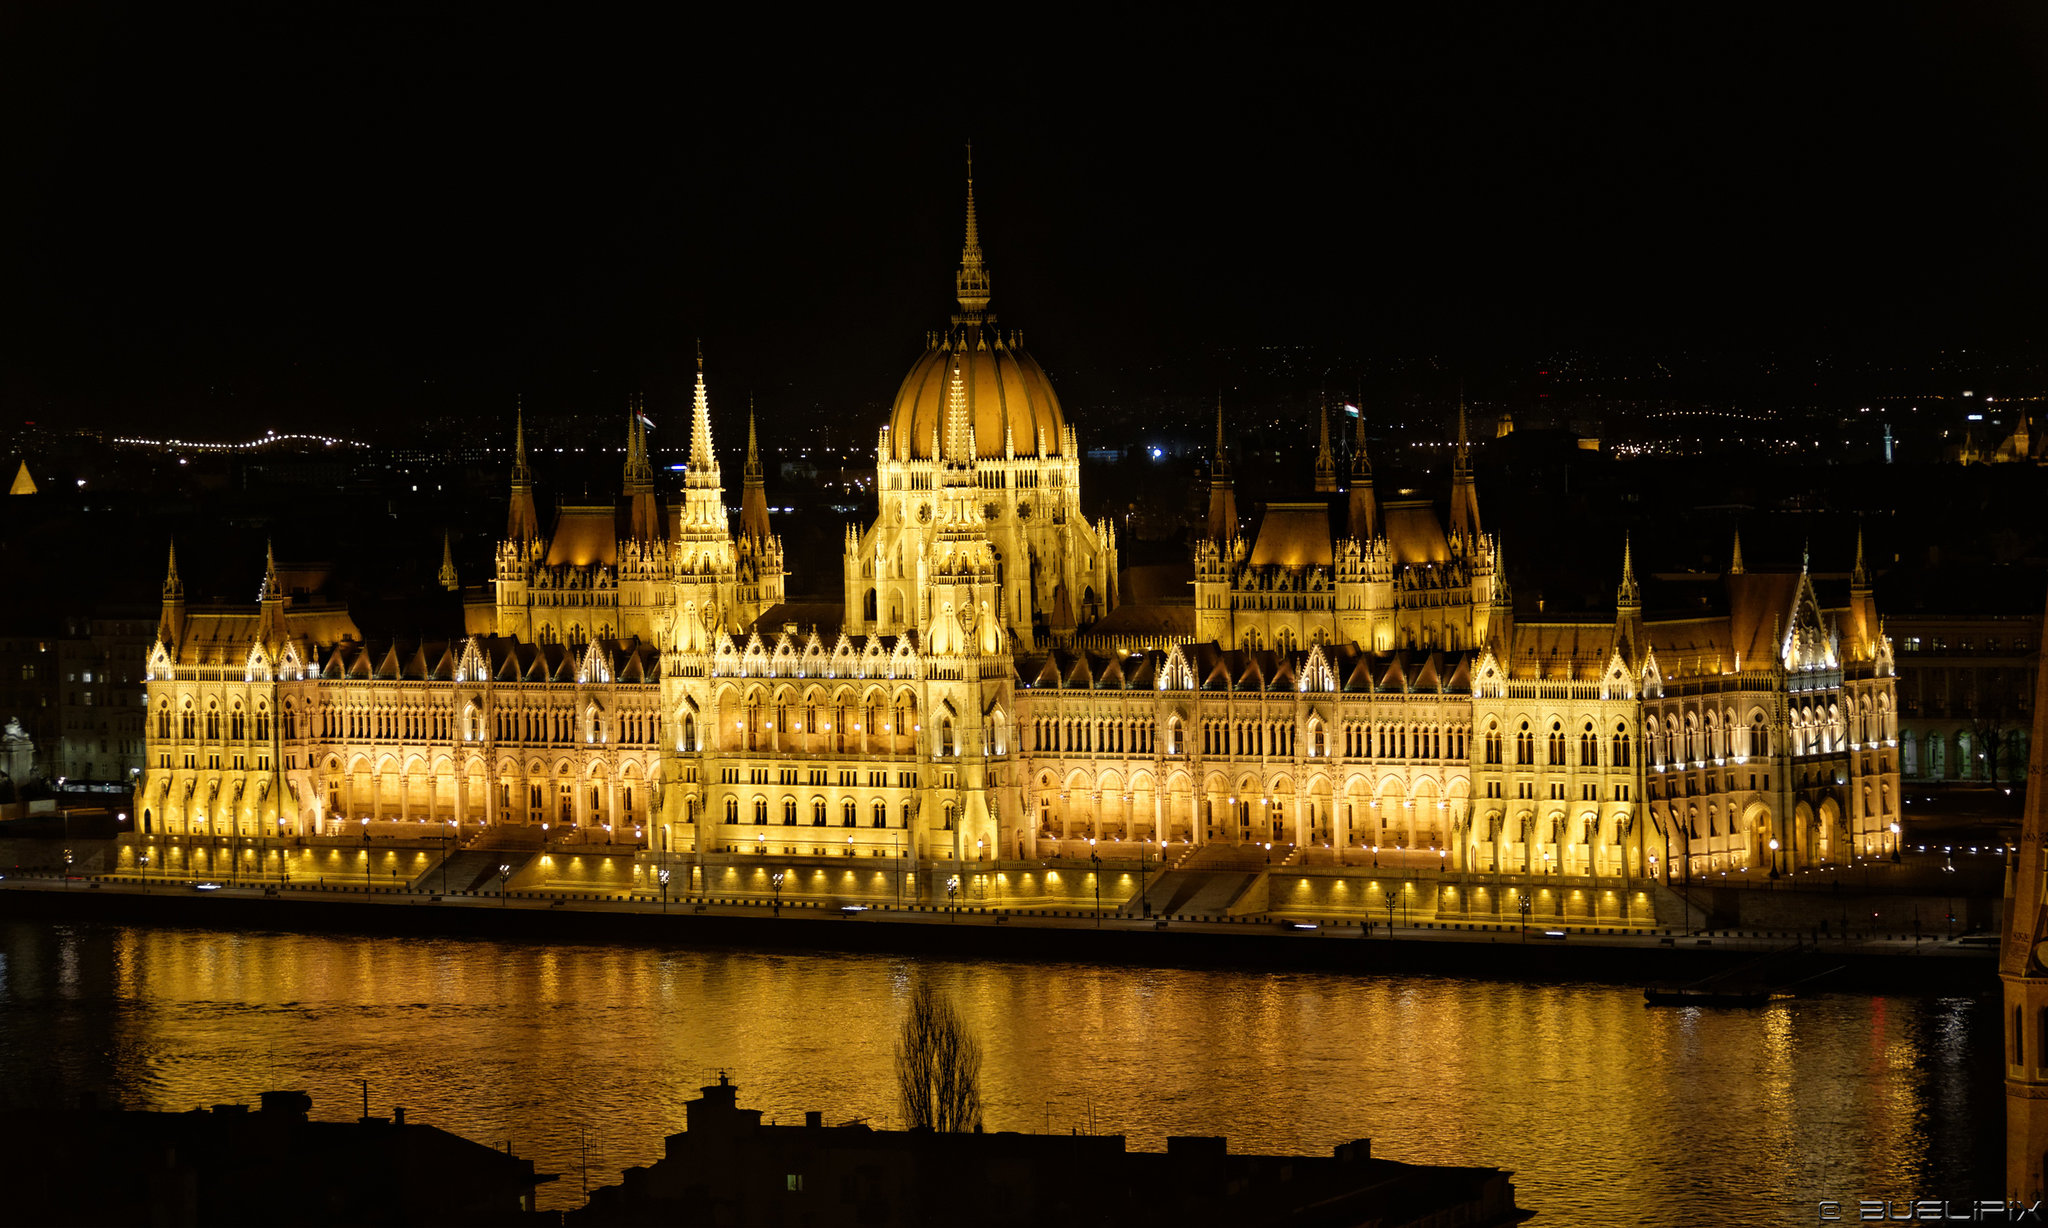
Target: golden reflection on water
(1606, 1110)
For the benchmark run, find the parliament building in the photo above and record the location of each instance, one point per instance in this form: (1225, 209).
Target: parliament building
(1350, 679)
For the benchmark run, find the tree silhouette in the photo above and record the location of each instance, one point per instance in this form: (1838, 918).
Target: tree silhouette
(938, 1065)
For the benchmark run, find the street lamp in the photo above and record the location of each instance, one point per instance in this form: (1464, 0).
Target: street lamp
(1895, 844)
(504, 880)
(662, 874)
(776, 880)
(952, 889)
(1095, 860)
(1523, 903)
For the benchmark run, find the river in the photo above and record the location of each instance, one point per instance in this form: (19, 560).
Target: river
(1609, 1112)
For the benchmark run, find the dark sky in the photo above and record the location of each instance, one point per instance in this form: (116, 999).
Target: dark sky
(251, 218)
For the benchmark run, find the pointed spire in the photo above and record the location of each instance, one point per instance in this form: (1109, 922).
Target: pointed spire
(522, 521)
(1805, 554)
(1361, 463)
(272, 589)
(702, 459)
(1326, 459)
(447, 577)
(1464, 495)
(174, 588)
(752, 471)
(971, 283)
(1464, 457)
(1735, 564)
(1860, 576)
(639, 470)
(1628, 594)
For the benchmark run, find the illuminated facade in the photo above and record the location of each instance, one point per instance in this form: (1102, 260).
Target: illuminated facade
(1353, 677)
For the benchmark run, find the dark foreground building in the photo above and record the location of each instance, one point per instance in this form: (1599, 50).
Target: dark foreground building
(230, 1166)
(727, 1168)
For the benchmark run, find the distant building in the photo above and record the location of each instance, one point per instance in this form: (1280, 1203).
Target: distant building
(101, 698)
(729, 1168)
(230, 1166)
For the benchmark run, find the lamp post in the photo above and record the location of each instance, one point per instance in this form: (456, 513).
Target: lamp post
(142, 864)
(1144, 904)
(1895, 844)
(952, 889)
(662, 874)
(776, 881)
(504, 880)
(1774, 858)
(447, 849)
(1523, 903)
(1095, 860)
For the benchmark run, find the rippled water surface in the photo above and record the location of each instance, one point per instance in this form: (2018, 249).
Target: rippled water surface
(1610, 1113)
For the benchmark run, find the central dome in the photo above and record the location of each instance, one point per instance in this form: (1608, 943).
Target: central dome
(1007, 394)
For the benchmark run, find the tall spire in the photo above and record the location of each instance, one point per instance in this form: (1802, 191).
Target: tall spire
(1364, 517)
(520, 473)
(702, 459)
(1222, 491)
(1360, 462)
(753, 493)
(272, 589)
(639, 470)
(753, 466)
(1628, 594)
(1860, 576)
(522, 521)
(971, 283)
(1326, 460)
(1464, 495)
(174, 588)
(1735, 563)
(447, 577)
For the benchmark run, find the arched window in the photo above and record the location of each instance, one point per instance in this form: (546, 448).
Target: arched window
(732, 810)
(1759, 738)
(818, 813)
(789, 812)
(1557, 743)
(881, 814)
(949, 816)
(760, 812)
(946, 736)
(1316, 741)
(1525, 745)
(163, 721)
(1621, 744)
(1173, 736)
(846, 813)
(1589, 747)
(1493, 747)
(906, 815)
(212, 724)
(688, 741)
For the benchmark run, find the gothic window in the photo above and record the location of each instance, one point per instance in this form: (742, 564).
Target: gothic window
(760, 812)
(1525, 745)
(212, 725)
(1589, 747)
(1759, 741)
(163, 721)
(881, 814)
(1557, 744)
(732, 810)
(1621, 745)
(689, 738)
(949, 816)
(846, 813)
(1173, 736)
(946, 736)
(1316, 744)
(1493, 744)
(789, 812)
(906, 814)
(818, 813)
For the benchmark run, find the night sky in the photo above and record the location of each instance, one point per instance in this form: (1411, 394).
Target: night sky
(247, 219)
